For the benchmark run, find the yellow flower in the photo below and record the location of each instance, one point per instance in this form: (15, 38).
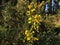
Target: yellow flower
(28, 35)
(35, 38)
(26, 31)
(28, 38)
(28, 13)
(29, 6)
(29, 22)
(37, 20)
(32, 10)
(35, 5)
(33, 32)
(37, 27)
(41, 3)
(36, 16)
(30, 18)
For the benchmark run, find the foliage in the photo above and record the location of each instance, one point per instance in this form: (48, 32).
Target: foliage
(26, 23)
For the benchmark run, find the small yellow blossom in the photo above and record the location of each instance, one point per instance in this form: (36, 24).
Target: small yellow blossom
(34, 23)
(28, 13)
(28, 35)
(32, 10)
(28, 38)
(29, 22)
(29, 6)
(36, 16)
(35, 38)
(30, 18)
(36, 20)
(37, 27)
(33, 32)
(35, 5)
(26, 31)
(41, 3)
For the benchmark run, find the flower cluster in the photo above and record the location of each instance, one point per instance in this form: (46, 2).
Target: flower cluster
(29, 36)
(33, 19)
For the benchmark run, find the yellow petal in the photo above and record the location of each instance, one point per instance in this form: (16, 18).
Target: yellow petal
(29, 6)
(33, 32)
(32, 10)
(29, 22)
(35, 38)
(28, 13)
(30, 18)
(28, 38)
(26, 31)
